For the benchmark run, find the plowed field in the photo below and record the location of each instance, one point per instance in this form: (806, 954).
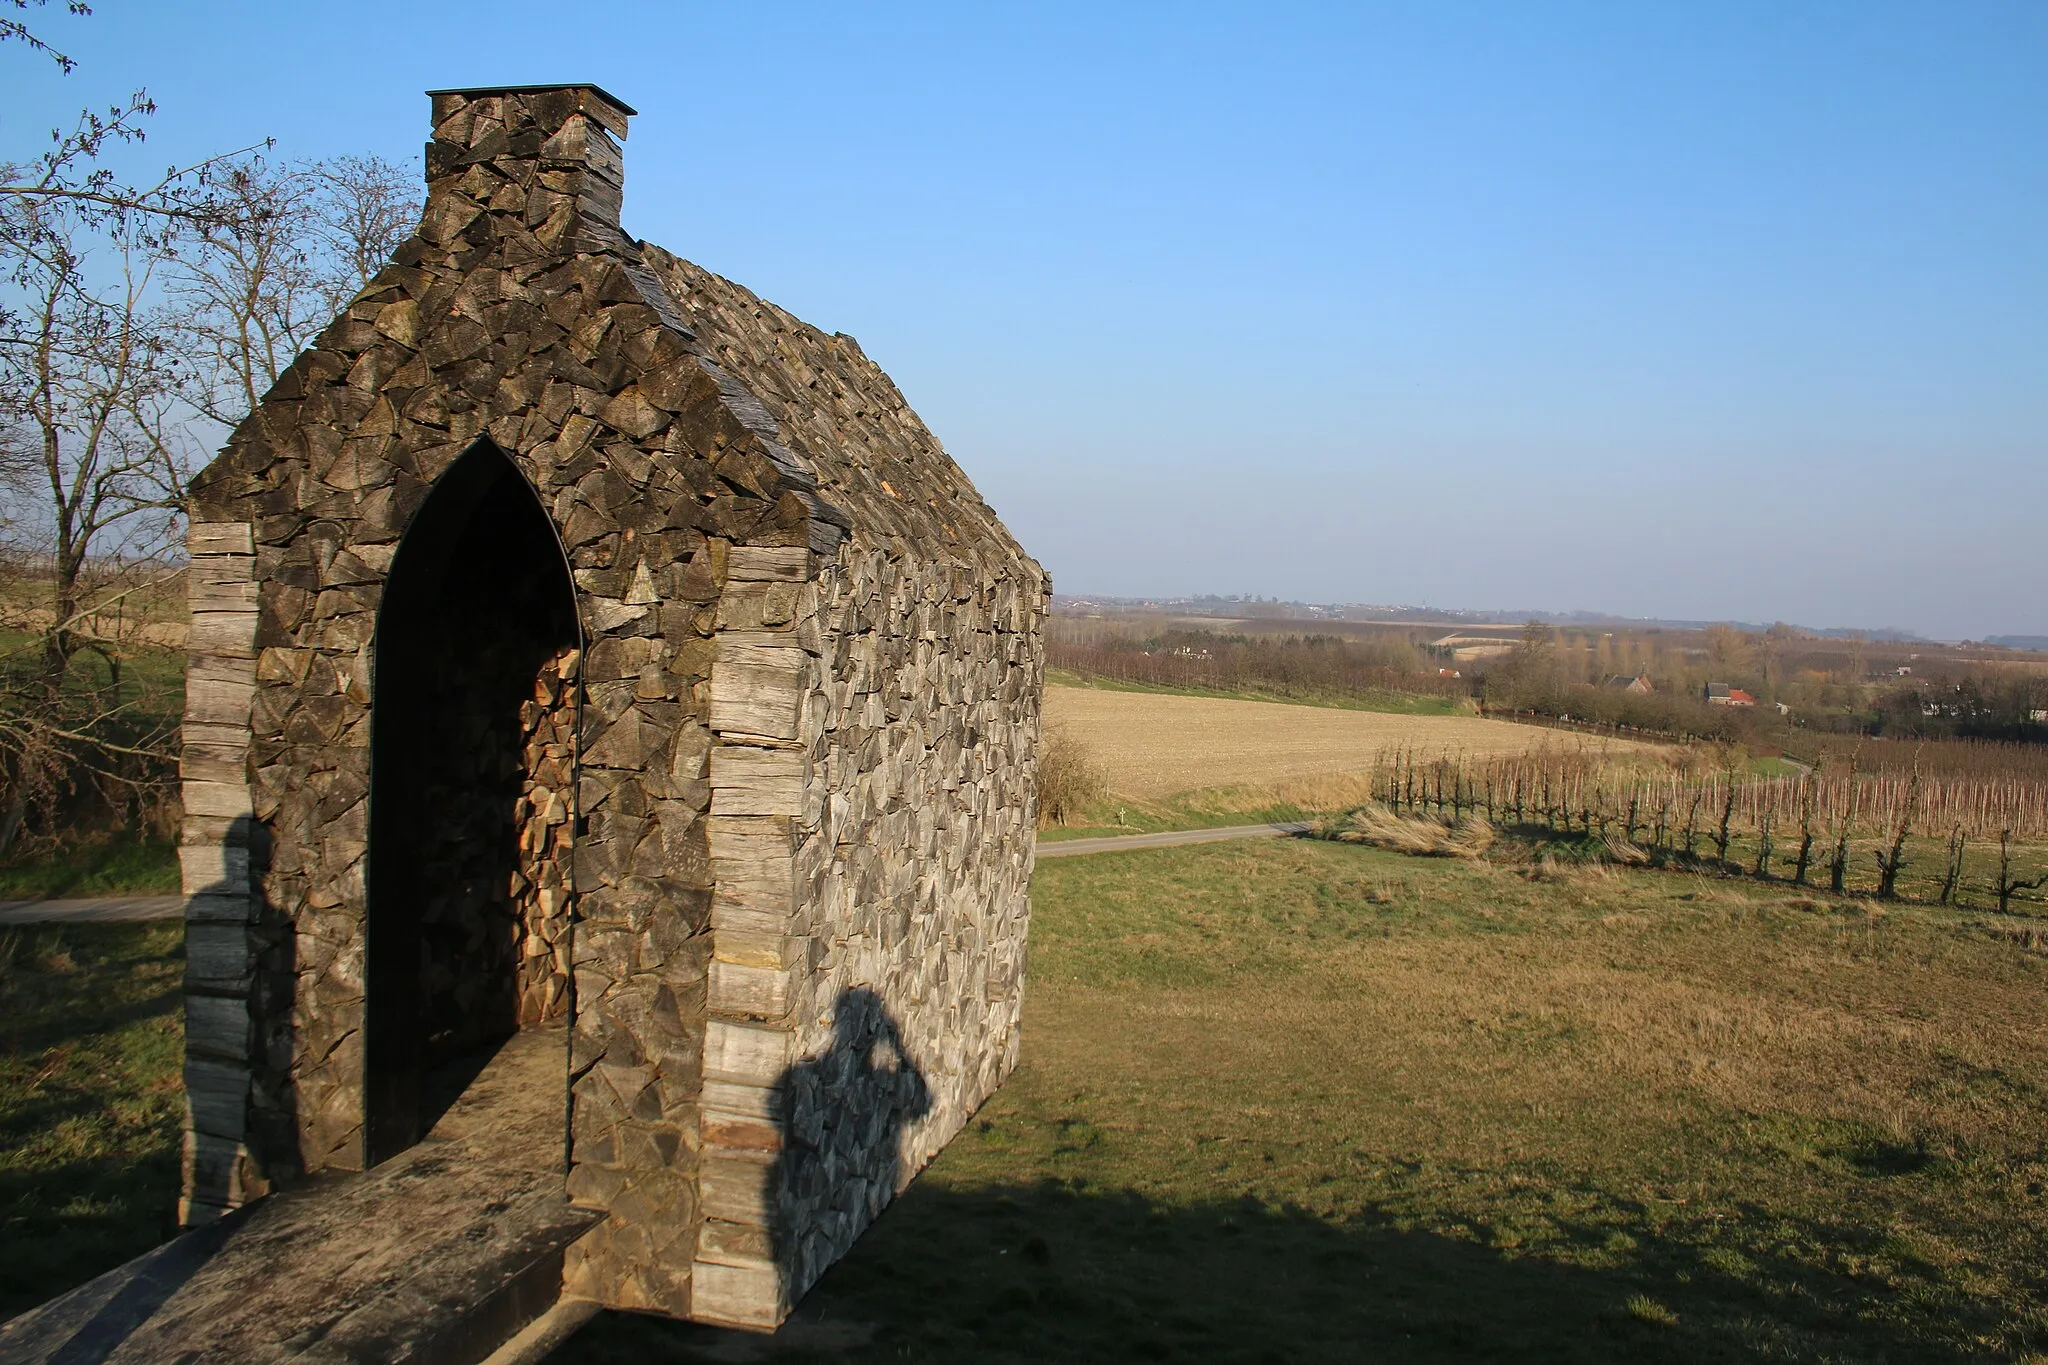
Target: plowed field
(1155, 744)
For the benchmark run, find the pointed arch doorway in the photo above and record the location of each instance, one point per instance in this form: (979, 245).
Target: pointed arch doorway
(472, 770)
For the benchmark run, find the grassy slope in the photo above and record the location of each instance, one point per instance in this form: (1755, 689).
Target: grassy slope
(90, 1101)
(1299, 1101)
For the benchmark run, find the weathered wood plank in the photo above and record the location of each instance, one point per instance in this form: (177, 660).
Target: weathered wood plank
(744, 1098)
(216, 958)
(757, 691)
(214, 868)
(218, 1093)
(220, 538)
(735, 1186)
(739, 989)
(767, 564)
(217, 1026)
(737, 1296)
(212, 702)
(210, 908)
(746, 1052)
(240, 595)
(750, 781)
(229, 633)
(228, 799)
(216, 668)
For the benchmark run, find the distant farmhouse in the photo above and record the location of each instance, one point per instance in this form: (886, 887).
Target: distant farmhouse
(1721, 694)
(1622, 682)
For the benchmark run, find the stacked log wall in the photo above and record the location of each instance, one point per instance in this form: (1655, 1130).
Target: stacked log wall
(805, 711)
(510, 318)
(871, 837)
(877, 721)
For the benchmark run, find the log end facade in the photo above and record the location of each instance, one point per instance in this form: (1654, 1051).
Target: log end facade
(575, 635)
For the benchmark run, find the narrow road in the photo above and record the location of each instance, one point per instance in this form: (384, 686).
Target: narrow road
(1068, 848)
(91, 910)
(133, 909)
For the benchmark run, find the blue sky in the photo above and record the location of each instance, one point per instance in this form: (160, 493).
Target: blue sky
(1710, 311)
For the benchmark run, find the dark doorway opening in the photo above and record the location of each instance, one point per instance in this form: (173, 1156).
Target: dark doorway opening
(472, 771)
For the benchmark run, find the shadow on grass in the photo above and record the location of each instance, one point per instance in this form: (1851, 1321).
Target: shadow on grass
(1055, 1273)
(89, 1105)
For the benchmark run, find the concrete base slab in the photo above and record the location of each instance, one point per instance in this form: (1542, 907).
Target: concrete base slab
(438, 1256)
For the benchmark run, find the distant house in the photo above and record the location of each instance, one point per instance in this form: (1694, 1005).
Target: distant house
(1448, 673)
(1622, 682)
(2037, 715)
(1721, 694)
(1902, 672)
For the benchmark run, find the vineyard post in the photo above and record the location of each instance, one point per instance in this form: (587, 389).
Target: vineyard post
(1807, 802)
(1764, 816)
(1838, 869)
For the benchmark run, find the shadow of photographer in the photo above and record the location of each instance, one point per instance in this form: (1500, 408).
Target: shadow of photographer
(845, 1114)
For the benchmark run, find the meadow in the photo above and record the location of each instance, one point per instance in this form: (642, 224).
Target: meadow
(1298, 1100)
(1316, 1099)
(1307, 1100)
(91, 1099)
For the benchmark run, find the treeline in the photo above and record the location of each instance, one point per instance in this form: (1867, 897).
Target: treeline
(1972, 706)
(1288, 666)
(1680, 716)
(1797, 684)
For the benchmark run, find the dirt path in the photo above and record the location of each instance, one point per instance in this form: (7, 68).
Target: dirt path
(1067, 848)
(91, 910)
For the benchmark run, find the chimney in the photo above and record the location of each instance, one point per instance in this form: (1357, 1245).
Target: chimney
(545, 153)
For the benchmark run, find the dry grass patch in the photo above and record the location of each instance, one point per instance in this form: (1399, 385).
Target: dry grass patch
(1155, 745)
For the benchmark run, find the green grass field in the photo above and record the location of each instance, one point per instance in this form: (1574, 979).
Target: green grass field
(1304, 1101)
(1298, 1100)
(116, 865)
(90, 1101)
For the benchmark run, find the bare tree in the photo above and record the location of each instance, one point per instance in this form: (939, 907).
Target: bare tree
(252, 292)
(2008, 884)
(92, 449)
(1891, 860)
(87, 382)
(365, 207)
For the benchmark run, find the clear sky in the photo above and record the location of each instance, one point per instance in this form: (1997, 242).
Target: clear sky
(1732, 310)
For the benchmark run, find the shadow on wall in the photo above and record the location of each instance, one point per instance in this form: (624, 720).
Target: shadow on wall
(847, 1110)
